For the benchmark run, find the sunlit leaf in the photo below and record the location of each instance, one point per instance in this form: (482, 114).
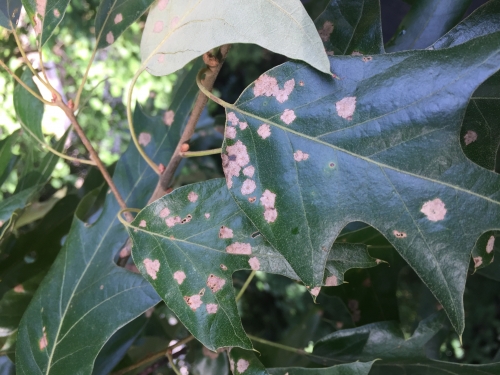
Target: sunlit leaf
(351, 26)
(115, 16)
(332, 151)
(385, 341)
(281, 26)
(29, 109)
(426, 22)
(45, 16)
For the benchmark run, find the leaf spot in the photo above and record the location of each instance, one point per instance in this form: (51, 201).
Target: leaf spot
(171, 221)
(248, 187)
(469, 137)
(225, 232)
(243, 125)
(179, 276)
(207, 215)
(331, 281)
(57, 14)
(42, 344)
(144, 139)
(231, 118)
(158, 27)
(239, 248)
(162, 4)
(399, 234)
(252, 199)
(315, 291)
(254, 263)
(249, 171)
(194, 301)
(242, 365)
(236, 158)
(288, 116)
(367, 58)
(346, 107)
(268, 200)
(152, 267)
(19, 288)
(230, 132)
(490, 244)
(215, 283)
(212, 308)
(110, 38)
(193, 197)
(118, 18)
(264, 131)
(223, 267)
(268, 86)
(164, 213)
(434, 210)
(142, 224)
(477, 261)
(326, 31)
(299, 155)
(168, 117)
(40, 7)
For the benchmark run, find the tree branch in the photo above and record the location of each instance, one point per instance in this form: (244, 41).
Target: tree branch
(213, 69)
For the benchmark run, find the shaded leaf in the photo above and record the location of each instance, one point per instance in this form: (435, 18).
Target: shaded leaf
(246, 362)
(348, 26)
(45, 16)
(10, 10)
(426, 22)
(90, 297)
(29, 109)
(334, 151)
(205, 362)
(114, 17)
(6, 366)
(281, 26)
(386, 341)
(16, 202)
(7, 159)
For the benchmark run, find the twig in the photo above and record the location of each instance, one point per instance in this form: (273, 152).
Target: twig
(245, 286)
(172, 364)
(276, 345)
(211, 74)
(152, 357)
(194, 154)
(93, 154)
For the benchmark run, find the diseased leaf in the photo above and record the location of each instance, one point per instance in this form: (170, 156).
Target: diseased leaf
(115, 16)
(45, 16)
(483, 252)
(326, 152)
(190, 242)
(16, 202)
(10, 10)
(246, 362)
(29, 109)
(351, 26)
(385, 341)
(85, 297)
(426, 22)
(7, 159)
(281, 26)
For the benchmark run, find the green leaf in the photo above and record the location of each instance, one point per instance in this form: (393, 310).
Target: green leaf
(10, 10)
(426, 22)
(333, 151)
(386, 341)
(85, 297)
(246, 362)
(7, 158)
(281, 26)
(29, 109)
(6, 366)
(45, 16)
(16, 202)
(14, 303)
(114, 17)
(348, 26)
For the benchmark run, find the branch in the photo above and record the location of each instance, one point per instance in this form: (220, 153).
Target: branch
(212, 71)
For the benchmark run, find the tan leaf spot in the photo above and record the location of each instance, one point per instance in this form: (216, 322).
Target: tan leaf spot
(174, 22)
(193, 197)
(254, 263)
(243, 125)
(223, 267)
(239, 248)
(268, 201)
(160, 57)
(110, 38)
(42, 344)
(212, 309)
(299, 155)
(242, 365)
(326, 31)
(215, 283)
(118, 18)
(57, 14)
(232, 119)
(490, 245)
(477, 261)
(399, 234)
(265, 85)
(288, 116)
(40, 7)
(152, 267)
(169, 117)
(19, 288)
(315, 291)
(179, 276)
(194, 302)
(469, 137)
(230, 132)
(248, 187)
(142, 224)
(331, 281)
(144, 139)
(207, 215)
(225, 232)
(434, 210)
(264, 131)
(164, 213)
(346, 107)
(249, 171)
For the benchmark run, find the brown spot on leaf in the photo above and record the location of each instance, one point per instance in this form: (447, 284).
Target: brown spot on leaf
(249, 171)
(232, 119)
(179, 276)
(268, 201)
(399, 234)
(326, 31)
(144, 139)
(212, 308)
(207, 215)
(243, 125)
(225, 232)
(288, 116)
(193, 197)
(236, 158)
(142, 224)
(268, 86)
(264, 131)
(230, 132)
(299, 155)
(477, 261)
(239, 248)
(110, 38)
(223, 267)
(242, 365)
(43, 342)
(248, 187)
(469, 137)
(215, 283)
(164, 213)
(252, 199)
(19, 288)
(367, 58)
(152, 267)
(315, 291)
(490, 245)
(346, 107)
(194, 302)
(331, 281)
(118, 18)
(57, 14)
(169, 118)
(171, 221)
(254, 263)
(434, 210)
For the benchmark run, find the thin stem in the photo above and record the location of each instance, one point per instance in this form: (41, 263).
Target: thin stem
(245, 286)
(54, 151)
(93, 154)
(276, 345)
(194, 154)
(83, 106)
(172, 364)
(153, 356)
(41, 64)
(11, 73)
(86, 75)
(151, 163)
(211, 74)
